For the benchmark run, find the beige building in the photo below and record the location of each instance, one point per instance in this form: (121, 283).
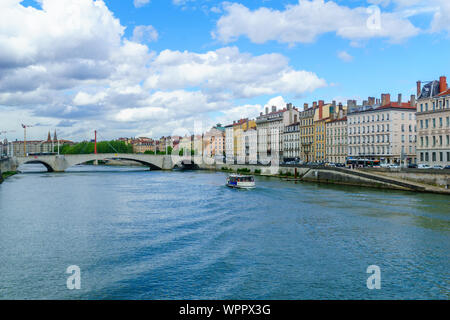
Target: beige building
(306, 119)
(433, 123)
(336, 140)
(385, 132)
(214, 142)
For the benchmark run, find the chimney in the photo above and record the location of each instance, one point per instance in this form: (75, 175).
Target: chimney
(289, 106)
(399, 98)
(365, 102)
(274, 108)
(334, 103)
(378, 101)
(267, 110)
(260, 113)
(419, 88)
(314, 104)
(442, 84)
(305, 106)
(371, 101)
(320, 109)
(385, 99)
(413, 101)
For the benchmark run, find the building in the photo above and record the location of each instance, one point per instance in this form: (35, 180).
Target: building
(385, 132)
(336, 140)
(306, 120)
(249, 145)
(270, 127)
(229, 144)
(322, 115)
(433, 122)
(143, 144)
(214, 142)
(291, 142)
(21, 148)
(238, 128)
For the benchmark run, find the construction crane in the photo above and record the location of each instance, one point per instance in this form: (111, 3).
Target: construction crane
(25, 126)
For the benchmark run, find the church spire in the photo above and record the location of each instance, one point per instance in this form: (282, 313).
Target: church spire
(55, 138)
(49, 138)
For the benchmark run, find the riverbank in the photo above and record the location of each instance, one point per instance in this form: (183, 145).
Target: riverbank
(406, 181)
(7, 174)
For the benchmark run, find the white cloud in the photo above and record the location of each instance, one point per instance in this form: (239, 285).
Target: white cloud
(344, 56)
(140, 3)
(145, 34)
(307, 20)
(241, 75)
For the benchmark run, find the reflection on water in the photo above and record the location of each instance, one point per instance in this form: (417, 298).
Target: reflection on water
(139, 234)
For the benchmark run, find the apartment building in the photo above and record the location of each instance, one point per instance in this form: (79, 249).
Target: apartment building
(433, 122)
(229, 144)
(336, 140)
(214, 142)
(306, 127)
(270, 127)
(385, 132)
(238, 128)
(291, 142)
(249, 145)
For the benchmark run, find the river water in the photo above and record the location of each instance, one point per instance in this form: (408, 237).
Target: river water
(139, 234)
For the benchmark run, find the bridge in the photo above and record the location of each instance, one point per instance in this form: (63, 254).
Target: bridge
(60, 163)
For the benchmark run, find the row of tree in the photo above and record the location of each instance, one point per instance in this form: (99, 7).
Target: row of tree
(102, 147)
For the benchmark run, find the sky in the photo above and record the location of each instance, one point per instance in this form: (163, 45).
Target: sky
(130, 68)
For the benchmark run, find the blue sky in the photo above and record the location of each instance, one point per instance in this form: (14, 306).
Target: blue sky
(130, 68)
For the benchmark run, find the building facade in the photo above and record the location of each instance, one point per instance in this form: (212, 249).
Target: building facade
(306, 119)
(433, 123)
(270, 127)
(249, 145)
(336, 140)
(385, 132)
(291, 142)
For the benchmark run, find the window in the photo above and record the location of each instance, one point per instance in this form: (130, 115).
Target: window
(421, 110)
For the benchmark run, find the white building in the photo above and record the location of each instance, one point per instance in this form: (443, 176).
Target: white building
(385, 132)
(270, 127)
(229, 144)
(291, 142)
(249, 145)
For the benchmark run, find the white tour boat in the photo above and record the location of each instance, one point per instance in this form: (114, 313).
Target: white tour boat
(240, 181)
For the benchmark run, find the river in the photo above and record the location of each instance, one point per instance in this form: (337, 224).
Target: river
(139, 234)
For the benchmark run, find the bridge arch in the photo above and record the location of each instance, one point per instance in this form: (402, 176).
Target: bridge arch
(74, 162)
(34, 161)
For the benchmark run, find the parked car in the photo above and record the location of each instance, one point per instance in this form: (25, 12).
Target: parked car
(412, 166)
(447, 167)
(384, 165)
(394, 166)
(423, 166)
(438, 167)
